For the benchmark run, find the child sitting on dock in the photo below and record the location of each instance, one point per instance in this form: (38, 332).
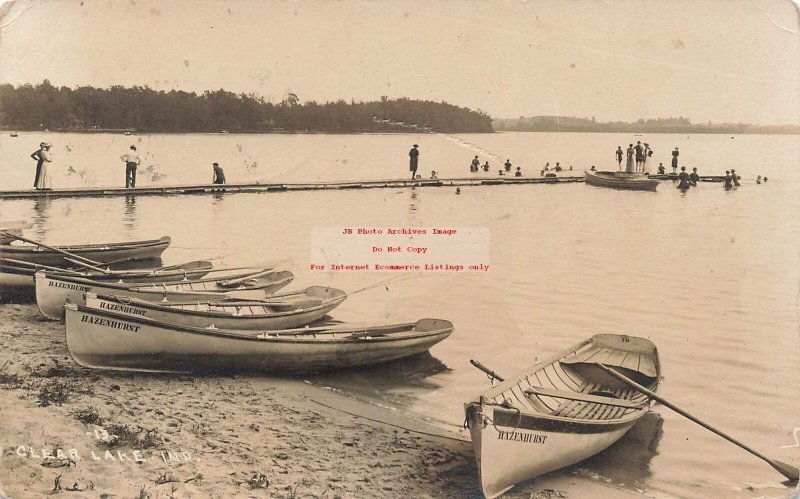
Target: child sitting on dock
(433, 175)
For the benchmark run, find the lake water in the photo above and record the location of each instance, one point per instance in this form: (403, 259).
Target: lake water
(712, 277)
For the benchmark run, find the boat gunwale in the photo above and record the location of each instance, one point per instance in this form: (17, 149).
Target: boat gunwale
(159, 286)
(174, 307)
(28, 248)
(265, 335)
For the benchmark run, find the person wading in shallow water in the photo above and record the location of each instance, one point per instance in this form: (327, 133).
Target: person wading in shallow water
(694, 177)
(683, 179)
(413, 155)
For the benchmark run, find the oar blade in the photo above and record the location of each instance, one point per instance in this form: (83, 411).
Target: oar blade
(787, 470)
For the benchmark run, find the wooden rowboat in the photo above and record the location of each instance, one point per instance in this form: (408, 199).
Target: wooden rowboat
(105, 253)
(53, 290)
(107, 340)
(17, 275)
(621, 180)
(286, 310)
(560, 411)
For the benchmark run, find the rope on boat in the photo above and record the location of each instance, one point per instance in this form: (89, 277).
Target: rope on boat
(406, 276)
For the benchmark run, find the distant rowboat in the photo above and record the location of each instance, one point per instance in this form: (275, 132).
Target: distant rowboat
(106, 340)
(560, 411)
(621, 180)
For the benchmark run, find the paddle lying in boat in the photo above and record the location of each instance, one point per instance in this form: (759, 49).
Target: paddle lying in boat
(93, 254)
(108, 340)
(53, 290)
(286, 310)
(18, 275)
(559, 411)
(787, 470)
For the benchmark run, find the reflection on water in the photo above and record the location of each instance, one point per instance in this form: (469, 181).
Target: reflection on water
(394, 382)
(217, 197)
(627, 462)
(129, 217)
(41, 209)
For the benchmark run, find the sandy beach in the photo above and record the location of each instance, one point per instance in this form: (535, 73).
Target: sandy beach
(70, 431)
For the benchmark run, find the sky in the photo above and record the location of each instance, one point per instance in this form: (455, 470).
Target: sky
(708, 60)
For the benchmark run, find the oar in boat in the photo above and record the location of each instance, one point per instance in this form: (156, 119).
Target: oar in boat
(80, 260)
(485, 369)
(787, 470)
(39, 266)
(87, 265)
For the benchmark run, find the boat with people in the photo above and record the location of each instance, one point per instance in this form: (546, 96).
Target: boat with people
(621, 180)
(560, 410)
(105, 339)
(53, 290)
(18, 276)
(39, 253)
(279, 311)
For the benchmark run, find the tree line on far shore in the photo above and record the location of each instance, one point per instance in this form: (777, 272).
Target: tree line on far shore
(142, 109)
(657, 125)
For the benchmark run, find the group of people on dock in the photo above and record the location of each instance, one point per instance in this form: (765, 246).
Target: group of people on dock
(131, 158)
(637, 157)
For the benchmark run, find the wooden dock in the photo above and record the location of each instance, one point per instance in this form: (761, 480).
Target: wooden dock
(284, 187)
(175, 190)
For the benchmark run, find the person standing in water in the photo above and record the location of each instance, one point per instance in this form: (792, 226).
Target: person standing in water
(507, 165)
(683, 179)
(413, 154)
(694, 177)
(735, 178)
(727, 182)
(620, 155)
(473, 167)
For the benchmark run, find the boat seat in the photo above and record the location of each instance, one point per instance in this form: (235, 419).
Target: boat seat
(582, 397)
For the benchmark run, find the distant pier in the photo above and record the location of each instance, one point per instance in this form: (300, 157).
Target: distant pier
(304, 186)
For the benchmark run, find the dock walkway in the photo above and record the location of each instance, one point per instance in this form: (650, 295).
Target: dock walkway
(304, 186)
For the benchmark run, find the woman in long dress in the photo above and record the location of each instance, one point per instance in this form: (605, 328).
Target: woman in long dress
(629, 161)
(44, 178)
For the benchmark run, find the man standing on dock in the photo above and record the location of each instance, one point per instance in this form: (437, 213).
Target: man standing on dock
(219, 175)
(131, 159)
(620, 155)
(414, 155)
(675, 155)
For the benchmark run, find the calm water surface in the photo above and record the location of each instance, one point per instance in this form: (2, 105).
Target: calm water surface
(712, 277)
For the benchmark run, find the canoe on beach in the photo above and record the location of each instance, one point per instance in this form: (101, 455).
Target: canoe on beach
(17, 275)
(53, 290)
(621, 180)
(560, 411)
(281, 311)
(105, 252)
(107, 340)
